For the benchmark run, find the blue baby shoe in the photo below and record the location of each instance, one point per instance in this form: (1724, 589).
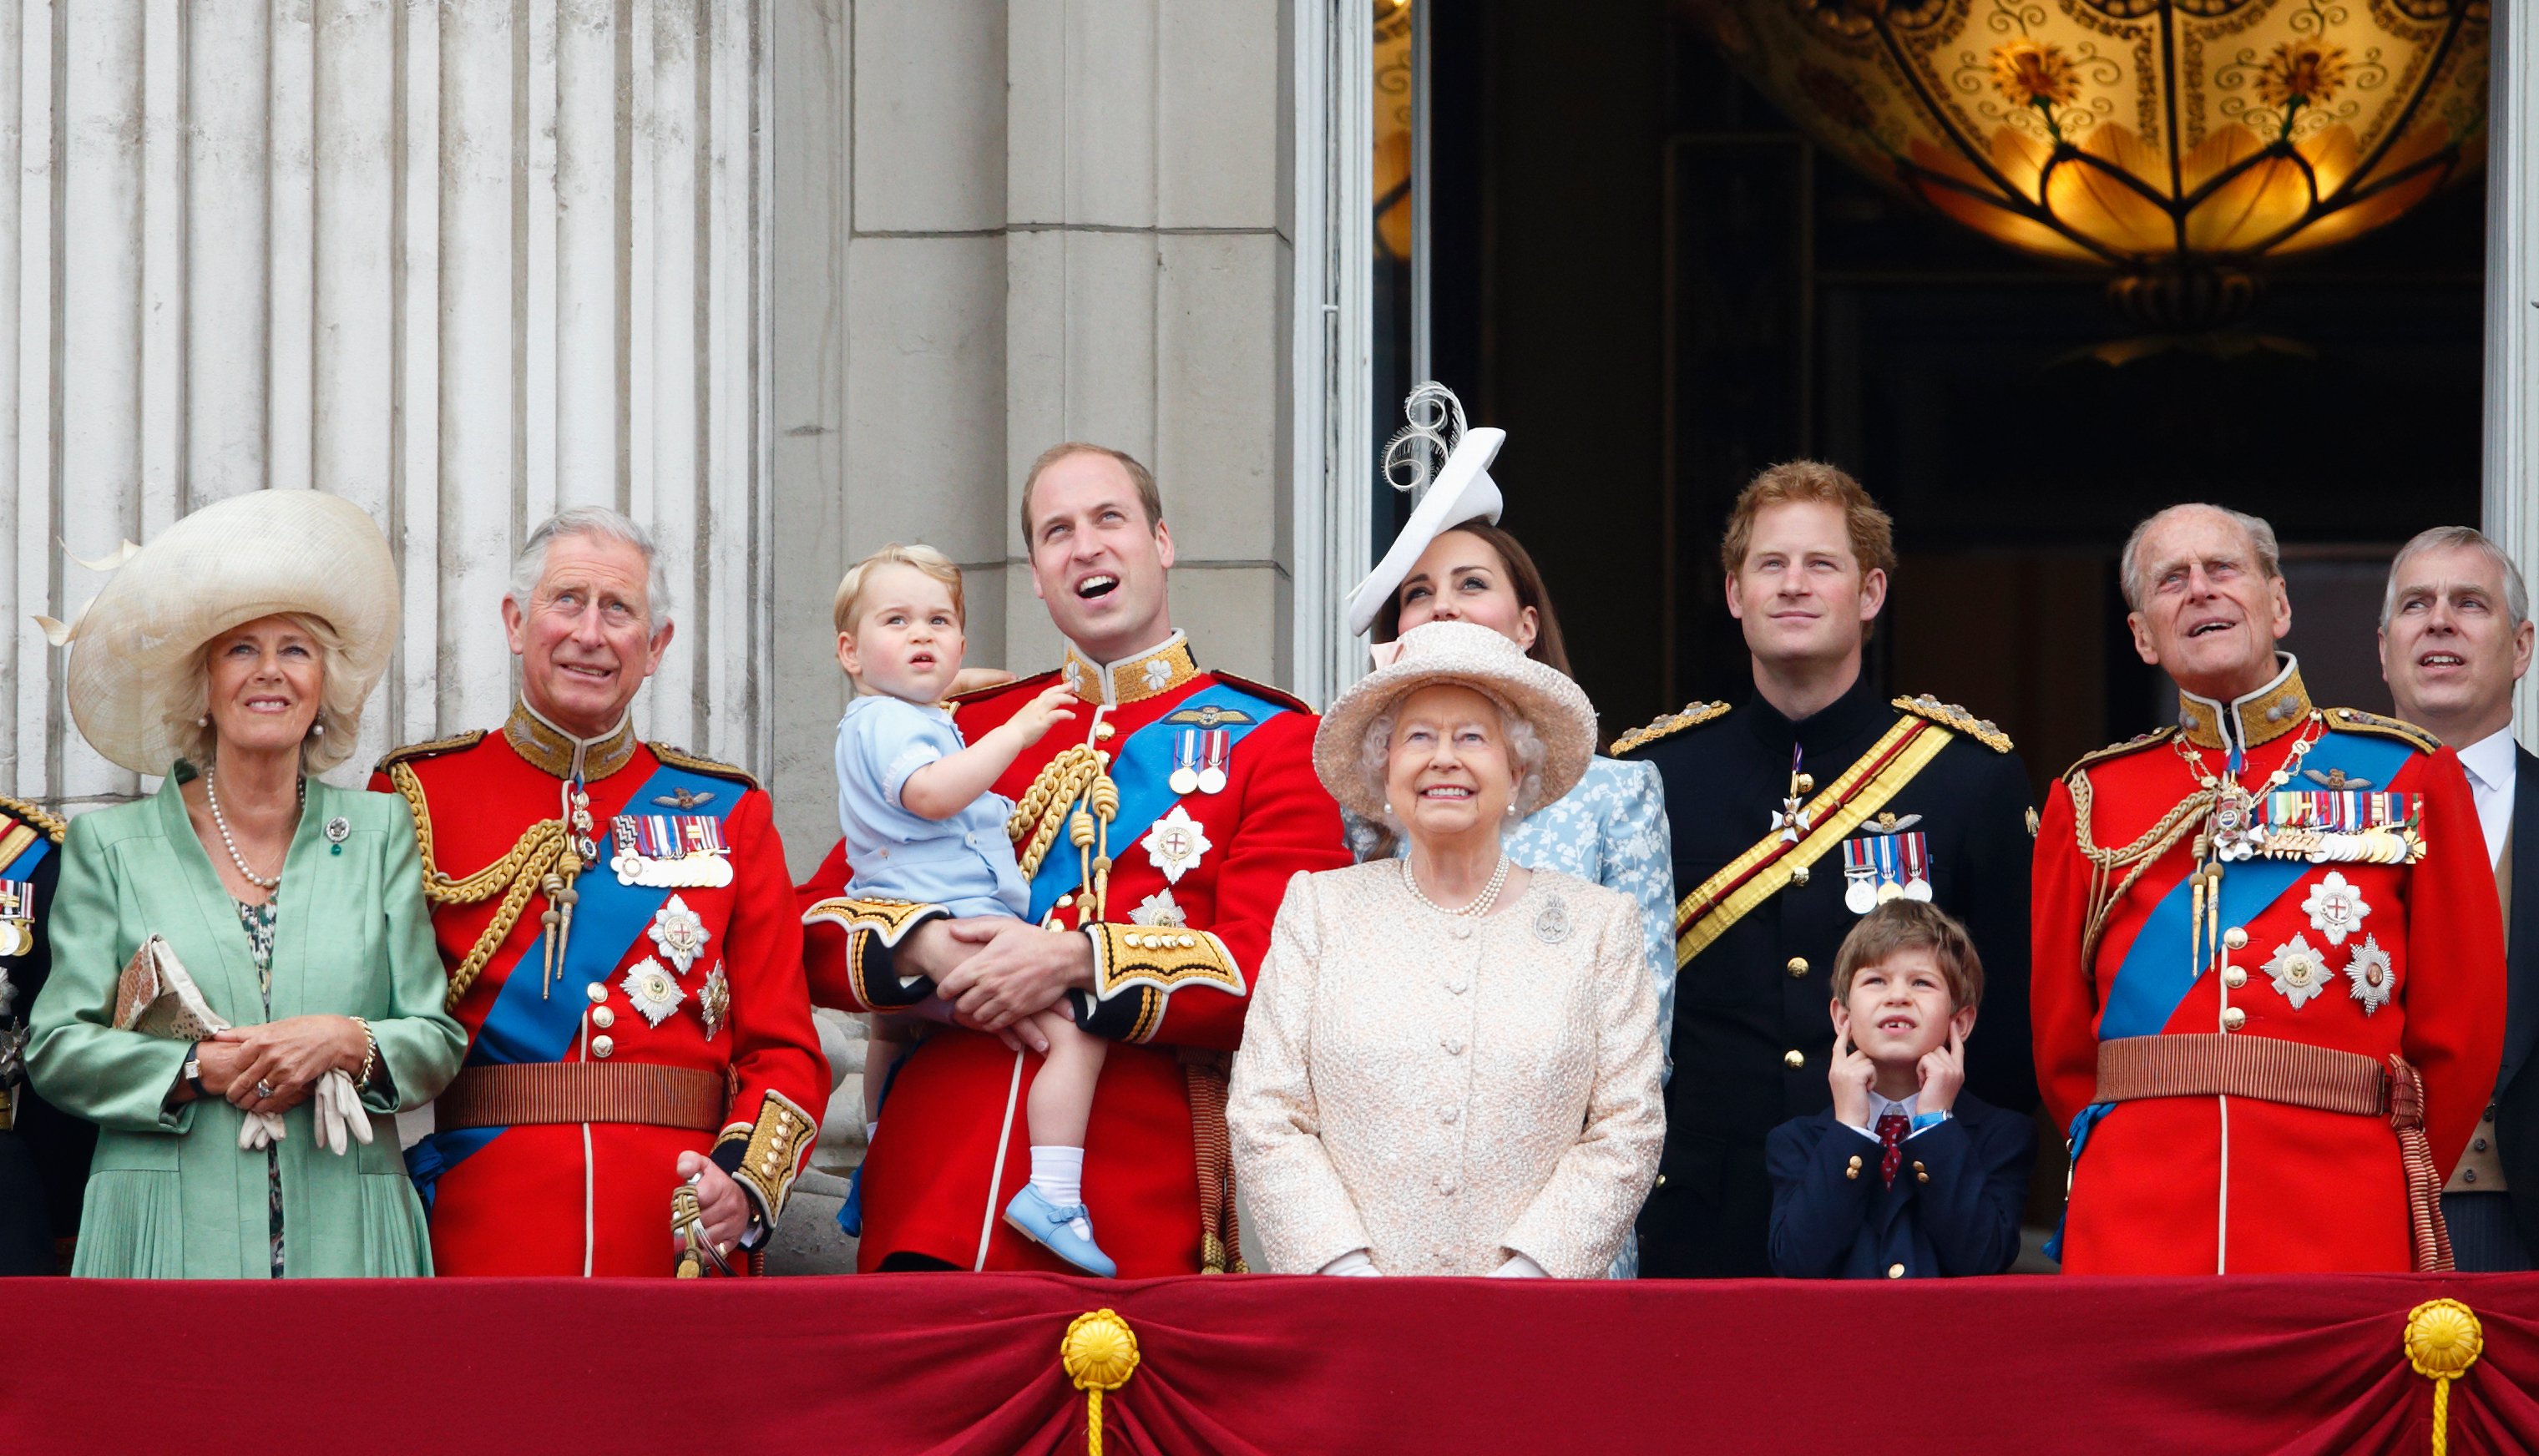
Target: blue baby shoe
(1066, 1232)
(850, 1214)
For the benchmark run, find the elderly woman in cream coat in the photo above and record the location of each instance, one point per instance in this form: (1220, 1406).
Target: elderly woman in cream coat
(1451, 1061)
(233, 655)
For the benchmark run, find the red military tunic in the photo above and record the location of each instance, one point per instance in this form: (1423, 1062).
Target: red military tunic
(687, 1008)
(953, 1143)
(2370, 959)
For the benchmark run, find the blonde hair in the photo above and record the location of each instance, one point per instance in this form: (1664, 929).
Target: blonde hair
(339, 699)
(1872, 531)
(1912, 925)
(929, 562)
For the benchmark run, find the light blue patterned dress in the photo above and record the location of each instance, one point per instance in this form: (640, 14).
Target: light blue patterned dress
(1612, 829)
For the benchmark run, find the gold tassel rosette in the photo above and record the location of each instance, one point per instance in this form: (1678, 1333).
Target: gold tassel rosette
(2443, 1338)
(1099, 1354)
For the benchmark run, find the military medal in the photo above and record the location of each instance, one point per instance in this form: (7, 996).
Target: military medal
(2300, 972)
(714, 1003)
(1860, 877)
(2373, 977)
(669, 850)
(1185, 778)
(17, 916)
(1216, 750)
(651, 990)
(2335, 908)
(1916, 849)
(680, 933)
(1176, 844)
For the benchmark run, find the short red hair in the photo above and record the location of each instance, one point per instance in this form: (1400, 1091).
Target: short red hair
(1872, 531)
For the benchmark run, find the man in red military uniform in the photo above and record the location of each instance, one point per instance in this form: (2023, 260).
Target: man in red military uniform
(2268, 965)
(623, 950)
(1159, 831)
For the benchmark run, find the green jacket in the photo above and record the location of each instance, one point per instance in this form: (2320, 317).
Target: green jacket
(170, 1194)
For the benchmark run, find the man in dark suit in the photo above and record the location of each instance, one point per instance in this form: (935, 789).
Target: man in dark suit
(44, 1152)
(2455, 635)
(1794, 814)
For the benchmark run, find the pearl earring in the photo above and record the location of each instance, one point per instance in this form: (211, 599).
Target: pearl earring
(316, 730)
(203, 721)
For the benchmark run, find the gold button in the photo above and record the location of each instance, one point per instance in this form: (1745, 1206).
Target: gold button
(597, 992)
(601, 1046)
(1895, 1270)
(1794, 1060)
(1807, 784)
(1920, 1176)
(1103, 730)
(1798, 965)
(1917, 1165)
(2233, 1018)
(602, 1018)
(2234, 978)
(1799, 874)
(2235, 938)
(1661, 1180)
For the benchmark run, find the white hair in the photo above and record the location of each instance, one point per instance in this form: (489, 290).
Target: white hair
(2261, 543)
(589, 520)
(2516, 597)
(1526, 751)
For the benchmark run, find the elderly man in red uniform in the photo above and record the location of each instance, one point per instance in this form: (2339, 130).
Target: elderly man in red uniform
(623, 950)
(2268, 966)
(1159, 833)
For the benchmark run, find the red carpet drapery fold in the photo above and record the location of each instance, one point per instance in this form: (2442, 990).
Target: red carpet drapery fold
(1246, 1365)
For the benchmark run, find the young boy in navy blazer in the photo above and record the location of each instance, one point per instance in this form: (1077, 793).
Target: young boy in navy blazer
(1909, 1175)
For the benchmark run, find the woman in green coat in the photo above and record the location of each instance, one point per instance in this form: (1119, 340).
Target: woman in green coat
(244, 640)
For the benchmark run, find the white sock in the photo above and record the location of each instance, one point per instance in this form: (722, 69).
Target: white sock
(1058, 1173)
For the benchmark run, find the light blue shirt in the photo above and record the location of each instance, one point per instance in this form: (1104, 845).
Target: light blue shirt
(963, 864)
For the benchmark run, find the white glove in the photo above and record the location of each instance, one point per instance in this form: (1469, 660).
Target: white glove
(1353, 1264)
(341, 1118)
(1519, 1267)
(258, 1130)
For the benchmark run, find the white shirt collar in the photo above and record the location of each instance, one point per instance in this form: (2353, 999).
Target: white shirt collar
(2489, 760)
(1880, 1106)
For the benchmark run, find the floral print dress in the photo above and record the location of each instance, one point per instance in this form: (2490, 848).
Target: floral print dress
(259, 920)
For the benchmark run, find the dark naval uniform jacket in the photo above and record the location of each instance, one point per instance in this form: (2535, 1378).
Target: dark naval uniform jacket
(1901, 796)
(2513, 1118)
(43, 1151)
(1952, 1210)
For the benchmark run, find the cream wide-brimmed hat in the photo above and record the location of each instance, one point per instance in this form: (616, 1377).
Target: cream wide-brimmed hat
(250, 556)
(1471, 655)
(1462, 489)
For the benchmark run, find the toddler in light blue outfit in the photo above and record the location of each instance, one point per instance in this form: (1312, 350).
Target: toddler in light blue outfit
(922, 824)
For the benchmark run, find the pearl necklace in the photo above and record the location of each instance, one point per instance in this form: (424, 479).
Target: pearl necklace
(221, 822)
(1481, 904)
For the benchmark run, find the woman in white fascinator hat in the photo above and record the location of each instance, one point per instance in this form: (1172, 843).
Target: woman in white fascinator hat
(1454, 563)
(233, 655)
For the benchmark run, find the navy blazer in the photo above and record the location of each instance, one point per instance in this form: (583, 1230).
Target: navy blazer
(1953, 1209)
(2517, 1113)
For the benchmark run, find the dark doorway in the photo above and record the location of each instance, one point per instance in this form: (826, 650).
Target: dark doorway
(1658, 286)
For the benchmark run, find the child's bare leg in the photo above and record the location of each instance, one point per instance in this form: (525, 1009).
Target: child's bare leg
(887, 1042)
(1061, 1094)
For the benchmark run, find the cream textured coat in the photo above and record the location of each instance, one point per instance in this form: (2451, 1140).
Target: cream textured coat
(1445, 1093)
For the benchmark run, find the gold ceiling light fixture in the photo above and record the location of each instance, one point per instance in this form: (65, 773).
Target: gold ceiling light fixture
(2176, 143)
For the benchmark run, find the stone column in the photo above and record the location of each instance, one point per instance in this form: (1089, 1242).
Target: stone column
(463, 261)
(1009, 223)
(2511, 505)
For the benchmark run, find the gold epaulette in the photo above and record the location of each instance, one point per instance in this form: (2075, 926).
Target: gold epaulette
(2133, 745)
(2356, 721)
(1957, 720)
(433, 749)
(680, 758)
(48, 824)
(1694, 714)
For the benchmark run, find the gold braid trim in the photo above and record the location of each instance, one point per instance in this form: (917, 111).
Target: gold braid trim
(1043, 807)
(35, 816)
(515, 876)
(2140, 854)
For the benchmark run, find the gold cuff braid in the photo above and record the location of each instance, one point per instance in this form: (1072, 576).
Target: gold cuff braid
(1163, 957)
(774, 1151)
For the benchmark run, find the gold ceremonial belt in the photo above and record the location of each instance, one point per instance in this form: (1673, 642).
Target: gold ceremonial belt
(574, 1092)
(2269, 1070)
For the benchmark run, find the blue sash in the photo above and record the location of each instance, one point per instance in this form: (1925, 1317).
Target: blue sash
(1142, 767)
(2153, 978)
(24, 867)
(528, 1024)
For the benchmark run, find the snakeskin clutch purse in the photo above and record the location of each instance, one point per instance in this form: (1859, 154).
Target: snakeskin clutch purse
(157, 998)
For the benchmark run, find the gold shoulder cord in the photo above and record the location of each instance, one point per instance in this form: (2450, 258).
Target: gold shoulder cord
(2140, 854)
(515, 876)
(1074, 792)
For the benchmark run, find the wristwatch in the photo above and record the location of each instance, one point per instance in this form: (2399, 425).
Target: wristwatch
(194, 1070)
